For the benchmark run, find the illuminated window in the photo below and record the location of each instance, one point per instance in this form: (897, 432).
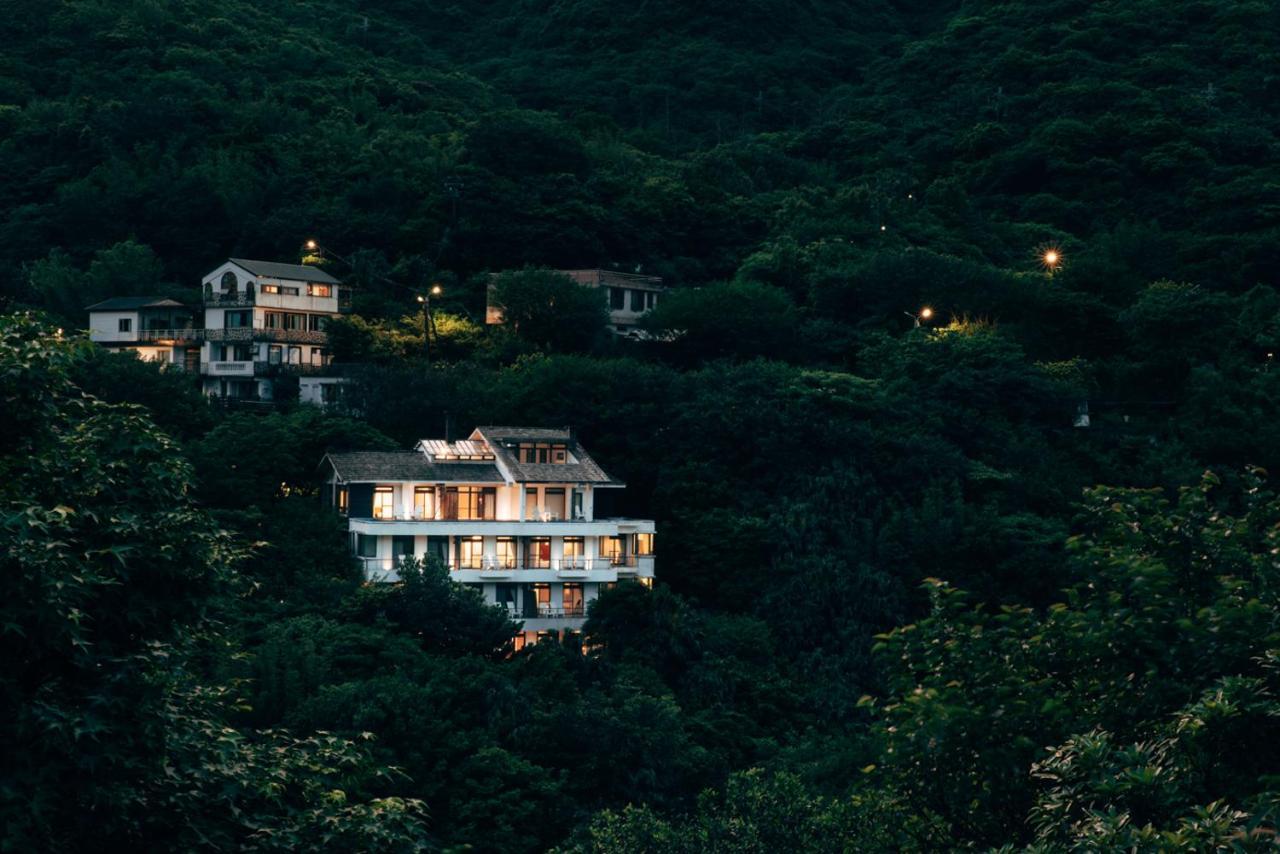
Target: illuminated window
(573, 551)
(342, 500)
(470, 552)
(424, 502)
(506, 553)
(647, 582)
(383, 503)
(574, 604)
(319, 291)
(644, 544)
(611, 548)
(542, 598)
(543, 452)
(538, 553)
(470, 502)
(126, 324)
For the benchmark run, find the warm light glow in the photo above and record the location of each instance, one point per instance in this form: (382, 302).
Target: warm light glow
(882, 228)
(436, 290)
(926, 312)
(1051, 258)
(421, 298)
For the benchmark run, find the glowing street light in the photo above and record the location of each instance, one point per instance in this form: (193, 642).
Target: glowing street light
(923, 315)
(428, 322)
(1051, 259)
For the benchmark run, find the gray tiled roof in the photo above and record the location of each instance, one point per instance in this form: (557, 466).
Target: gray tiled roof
(276, 270)
(369, 466)
(134, 303)
(585, 470)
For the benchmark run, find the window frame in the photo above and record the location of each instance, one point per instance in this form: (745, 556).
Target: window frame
(384, 509)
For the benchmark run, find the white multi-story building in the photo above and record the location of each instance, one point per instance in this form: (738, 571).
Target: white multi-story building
(510, 510)
(629, 296)
(265, 319)
(156, 328)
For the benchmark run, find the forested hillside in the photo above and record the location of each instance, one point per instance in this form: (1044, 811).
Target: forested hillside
(910, 597)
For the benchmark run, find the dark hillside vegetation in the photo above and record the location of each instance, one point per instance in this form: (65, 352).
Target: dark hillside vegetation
(907, 600)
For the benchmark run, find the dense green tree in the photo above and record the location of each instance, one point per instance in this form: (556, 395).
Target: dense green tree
(109, 573)
(549, 310)
(1166, 643)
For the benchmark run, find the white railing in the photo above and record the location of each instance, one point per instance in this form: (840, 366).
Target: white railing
(492, 563)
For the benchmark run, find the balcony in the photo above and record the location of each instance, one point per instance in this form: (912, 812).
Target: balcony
(274, 369)
(213, 299)
(546, 612)
(170, 336)
(258, 333)
(406, 525)
(227, 369)
(492, 568)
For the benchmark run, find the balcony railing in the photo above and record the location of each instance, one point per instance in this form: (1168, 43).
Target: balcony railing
(490, 563)
(235, 300)
(259, 333)
(171, 334)
(401, 516)
(272, 369)
(229, 368)
(546, 612)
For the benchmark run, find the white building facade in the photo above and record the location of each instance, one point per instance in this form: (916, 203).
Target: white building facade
(510, 511)
(266, 320)
(155, 328)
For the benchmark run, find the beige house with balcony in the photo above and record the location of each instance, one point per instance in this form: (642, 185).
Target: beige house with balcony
(510, 510)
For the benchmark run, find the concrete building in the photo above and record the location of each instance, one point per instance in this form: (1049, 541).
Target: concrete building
(266, 320)
(510, 510)
(156, 328)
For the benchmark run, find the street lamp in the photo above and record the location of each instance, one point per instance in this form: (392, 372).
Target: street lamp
(924, 314)
(1051, 259)
(428, 322)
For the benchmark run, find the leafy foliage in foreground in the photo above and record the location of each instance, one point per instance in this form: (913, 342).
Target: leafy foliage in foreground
(109, 574)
